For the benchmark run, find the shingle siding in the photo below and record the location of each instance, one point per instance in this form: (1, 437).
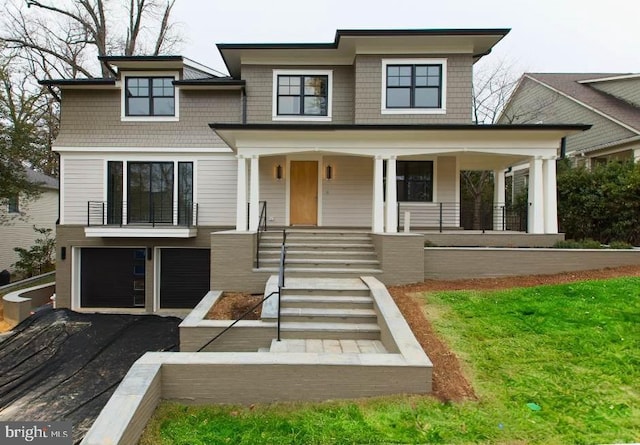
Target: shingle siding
(368, 92)
(92, 118)
(535, 103)
(259, 87)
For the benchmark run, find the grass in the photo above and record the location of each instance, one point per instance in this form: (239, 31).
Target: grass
(573, 350)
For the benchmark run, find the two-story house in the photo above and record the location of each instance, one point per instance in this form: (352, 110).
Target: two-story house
(168, 171)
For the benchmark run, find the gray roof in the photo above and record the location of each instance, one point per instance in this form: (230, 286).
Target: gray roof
(41, 179)
(568, 83)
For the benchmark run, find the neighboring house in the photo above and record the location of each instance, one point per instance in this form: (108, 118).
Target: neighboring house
(166, 166)
(19, 215)
(608, 101)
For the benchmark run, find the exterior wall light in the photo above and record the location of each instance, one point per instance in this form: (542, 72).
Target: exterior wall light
(279, 172)
(328, 172)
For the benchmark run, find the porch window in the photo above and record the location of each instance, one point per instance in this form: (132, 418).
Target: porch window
(415, 181)
(413, 86)
(150, 96)
(150, 192)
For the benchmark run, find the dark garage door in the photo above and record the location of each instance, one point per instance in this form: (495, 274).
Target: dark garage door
(112, 277)
(184, 277)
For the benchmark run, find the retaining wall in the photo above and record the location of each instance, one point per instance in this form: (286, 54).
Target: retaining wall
(18, 305)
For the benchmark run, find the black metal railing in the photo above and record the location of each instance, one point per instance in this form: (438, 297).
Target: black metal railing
(281, 281)
(469, 216)
(262, 227)
(102, 213)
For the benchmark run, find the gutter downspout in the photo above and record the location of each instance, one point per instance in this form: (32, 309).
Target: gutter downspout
(243, 99)
(563, 147)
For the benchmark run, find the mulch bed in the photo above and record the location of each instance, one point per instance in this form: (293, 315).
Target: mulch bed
(231, 306)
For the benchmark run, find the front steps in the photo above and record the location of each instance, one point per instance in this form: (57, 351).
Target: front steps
(320, 253)
(329, 346)
(324, 309)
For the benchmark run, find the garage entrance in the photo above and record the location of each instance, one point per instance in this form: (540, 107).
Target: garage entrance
(112, 278)
(184, 277)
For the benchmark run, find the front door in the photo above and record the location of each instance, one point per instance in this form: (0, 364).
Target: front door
(304, 193)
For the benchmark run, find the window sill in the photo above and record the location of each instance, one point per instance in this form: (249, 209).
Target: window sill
(140, 232)
(149, 118)
(302, 118)
(413, 111)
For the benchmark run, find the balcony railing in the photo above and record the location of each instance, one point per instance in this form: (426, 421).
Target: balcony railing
(102, 213)
(454, 215)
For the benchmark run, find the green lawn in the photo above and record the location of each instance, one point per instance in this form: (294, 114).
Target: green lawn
(572, 350)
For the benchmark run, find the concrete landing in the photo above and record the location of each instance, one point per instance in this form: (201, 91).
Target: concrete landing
(330, 346)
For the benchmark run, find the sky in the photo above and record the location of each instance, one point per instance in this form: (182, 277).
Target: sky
(546, 35)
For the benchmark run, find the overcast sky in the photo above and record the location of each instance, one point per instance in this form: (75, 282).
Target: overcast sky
(546, 35)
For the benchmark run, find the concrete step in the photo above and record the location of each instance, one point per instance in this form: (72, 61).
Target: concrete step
(330, 346)
(321, 263)
(314, 272)
(296, 246)
(327, 301)
(326, 287)
(307, 254)
(328, 315)
(339, 331)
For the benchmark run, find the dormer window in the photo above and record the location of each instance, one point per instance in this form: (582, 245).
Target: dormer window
(414, 86)
(150, 96)
(302, 95)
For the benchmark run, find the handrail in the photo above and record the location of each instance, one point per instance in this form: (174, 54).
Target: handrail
(262, 227)
(283, 254)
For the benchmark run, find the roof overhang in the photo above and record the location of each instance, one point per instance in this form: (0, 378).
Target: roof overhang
(398, 140)
(144, 62)
(349, 43)
(210, 84)
(79, 84)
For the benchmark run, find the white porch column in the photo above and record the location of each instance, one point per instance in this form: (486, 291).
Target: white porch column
(498, 200)
(550, 196)
(536, 197)
(392, 197)
(377, 225)
(636, 155)
(241, 195)
(254, 196)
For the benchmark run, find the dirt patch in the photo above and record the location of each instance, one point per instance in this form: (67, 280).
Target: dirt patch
(231, 306)
(449, 381)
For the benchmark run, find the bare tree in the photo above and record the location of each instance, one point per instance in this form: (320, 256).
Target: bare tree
(64, 37)
(492, 86)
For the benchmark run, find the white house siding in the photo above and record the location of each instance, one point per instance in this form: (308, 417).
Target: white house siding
(624, 89)
(216, 190)
(83, 181)
(445, 191)
(41, 212)
(272, 190)
(347, 199)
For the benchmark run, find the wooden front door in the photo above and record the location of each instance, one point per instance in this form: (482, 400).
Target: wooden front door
(303, 193)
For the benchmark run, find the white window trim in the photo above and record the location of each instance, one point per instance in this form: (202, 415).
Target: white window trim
(274, 104)
(122, 85)
(383, 95)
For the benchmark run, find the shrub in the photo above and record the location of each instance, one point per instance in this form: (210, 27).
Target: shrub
(578, 244)
(39, 257)
(619, 245)
(428, 243)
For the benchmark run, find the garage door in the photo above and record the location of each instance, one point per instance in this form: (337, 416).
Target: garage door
(184, 277)
(112, 277)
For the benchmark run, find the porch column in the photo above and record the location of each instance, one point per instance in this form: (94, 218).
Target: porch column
(254, 197)
(550, 196)
(377, 225)
(636, 155)
(241, 195)
(392, 197)
(498, 200)
(536, 197)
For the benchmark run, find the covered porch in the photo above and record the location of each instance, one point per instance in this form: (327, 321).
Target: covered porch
(386, 178)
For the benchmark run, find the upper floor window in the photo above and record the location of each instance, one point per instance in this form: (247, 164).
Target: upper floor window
(150, 96)
(414, 86)
(302, 95)
(13, 204)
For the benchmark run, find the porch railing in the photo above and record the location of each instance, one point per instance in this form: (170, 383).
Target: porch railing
(102, 213)
(281, 282)
(469, 216)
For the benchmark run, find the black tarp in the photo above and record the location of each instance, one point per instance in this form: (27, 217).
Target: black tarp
(63, 365)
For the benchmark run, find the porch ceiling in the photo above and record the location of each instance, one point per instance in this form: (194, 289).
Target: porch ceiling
(512, 141)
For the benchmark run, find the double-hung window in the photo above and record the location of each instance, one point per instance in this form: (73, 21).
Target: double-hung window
(302, 95)
(415, 86)
(415, 181)
(150, 96)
